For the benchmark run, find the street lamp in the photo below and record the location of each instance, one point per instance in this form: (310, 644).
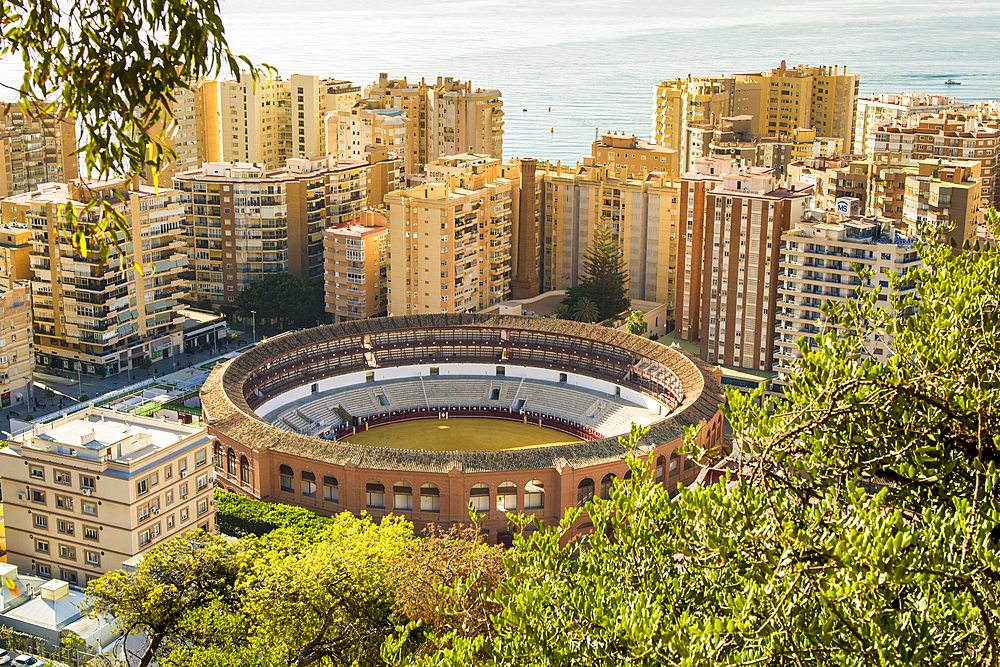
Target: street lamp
(254, 314)
(79, 384)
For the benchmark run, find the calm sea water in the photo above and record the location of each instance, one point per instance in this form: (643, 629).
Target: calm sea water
(596, 62)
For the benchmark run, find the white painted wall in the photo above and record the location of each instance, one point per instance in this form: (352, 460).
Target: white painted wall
(485, 370)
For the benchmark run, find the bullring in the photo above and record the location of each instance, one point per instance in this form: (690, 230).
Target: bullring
(311, 461)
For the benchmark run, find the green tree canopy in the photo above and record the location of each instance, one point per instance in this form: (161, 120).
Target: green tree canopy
(859, 523)
(113, 67)
(284, 297)
(636, 323)
(605, 281)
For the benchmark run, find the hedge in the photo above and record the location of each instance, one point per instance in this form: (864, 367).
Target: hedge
(238, 516)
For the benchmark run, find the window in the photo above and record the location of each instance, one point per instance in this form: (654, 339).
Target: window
(534, 495)
(93, 558)
(674, 464)
(141, 487)
(402, 496)
(38, 496)
(479, 498)
(584, 492)
(202, 506)
(308, 484)
(182, 466)
(607, 484)
(202, 482)
(375, 495)
(89, 508)
(661, 464)
(62, 477)
(65, 527)
(430, 498)
(37, 472)
(154, 479)
(90, 533)
(170, 522)
(67, 552)
(87, 482)
(64, 502)
(285, 474)
(184, 514)
(331, 492)
(41, 546)
(244, 470)
(143, 538)
(230, 463)
(184, 491)
(507, 497)
(44, 571)
(170, 497)
(200, 458)
(168, 472)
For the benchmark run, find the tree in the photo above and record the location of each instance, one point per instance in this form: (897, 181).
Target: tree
(859, 525)
(145, 363)
(284, 297)
(113, 68)
(173, 581)
(636, 323)
(605, 281)
(585, 310)
(205, 304)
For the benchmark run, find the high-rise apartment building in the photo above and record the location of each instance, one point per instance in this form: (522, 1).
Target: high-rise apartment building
(948, 136)
(887, 109)
(818, 266)
(642, 213)
(355, 259)
(17, 358)
(819, 98)
(268, 122)
(35, 149)
(15, 254)
(86, 492)
(681, 103)
(776, 153)
(191, 129)
(245, 222)
(730, 253)
(353, 130)
(450, 237)
(635, 156)
(448, 118)
(100, 321)
(944, 195)
(832, 178)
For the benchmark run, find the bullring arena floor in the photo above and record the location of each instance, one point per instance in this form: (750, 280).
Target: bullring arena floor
(460, 434)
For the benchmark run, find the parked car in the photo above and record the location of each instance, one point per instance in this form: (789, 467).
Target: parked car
(27, 661)
(4, 657)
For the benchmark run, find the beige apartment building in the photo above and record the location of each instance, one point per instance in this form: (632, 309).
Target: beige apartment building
(450, 237)
(642, 213)
(352, 131)
(35, 150)
(101, 321)
(17, 354)
(818, 266)
(730, 254)
(268, 122)
(948, 136)
(944, 195)
(821, 98)
(694, 101)
(86, 492)
(245, 222)
(888, 109)
(191, 129)
(776, 153)
(633, 155)
(832, 178)
(447, 118)
(15, 254)
(355, 261)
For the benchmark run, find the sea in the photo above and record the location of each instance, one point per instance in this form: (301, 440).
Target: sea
(569, 69)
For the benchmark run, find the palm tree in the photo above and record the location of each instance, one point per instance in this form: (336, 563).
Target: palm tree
(586, 310)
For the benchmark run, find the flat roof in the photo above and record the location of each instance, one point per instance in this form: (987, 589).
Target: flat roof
(105, 428)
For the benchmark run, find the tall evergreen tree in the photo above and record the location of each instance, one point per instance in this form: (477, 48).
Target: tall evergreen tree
(605, 280)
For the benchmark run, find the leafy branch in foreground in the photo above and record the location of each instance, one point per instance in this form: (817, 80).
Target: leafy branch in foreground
(113, 67)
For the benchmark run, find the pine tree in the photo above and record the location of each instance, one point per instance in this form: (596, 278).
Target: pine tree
(605, 280)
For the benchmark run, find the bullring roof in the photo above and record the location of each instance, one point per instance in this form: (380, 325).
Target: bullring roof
(230, 415)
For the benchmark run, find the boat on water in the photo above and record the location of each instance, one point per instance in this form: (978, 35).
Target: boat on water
(952, 82)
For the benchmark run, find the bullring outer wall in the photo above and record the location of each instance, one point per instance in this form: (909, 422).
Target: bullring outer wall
(251, 452)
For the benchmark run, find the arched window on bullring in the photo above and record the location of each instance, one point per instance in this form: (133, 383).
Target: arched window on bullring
(479, 498)
(218, 455)
(402, 496)
(245, 471)
(606, 485)
(286, 477)
(430, 498)
(331, 491)
(534, 495)
(231, 462)
(675, 464)
(375, 495)
(507, 497)
(661, 468)
(584, 492)
(308, 484)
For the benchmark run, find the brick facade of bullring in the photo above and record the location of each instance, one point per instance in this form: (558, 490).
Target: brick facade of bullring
(261, 461)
